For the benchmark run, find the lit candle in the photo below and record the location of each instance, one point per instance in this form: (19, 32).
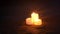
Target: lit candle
(34, 20)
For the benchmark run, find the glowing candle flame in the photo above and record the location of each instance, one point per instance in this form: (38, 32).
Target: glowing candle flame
(34, 20)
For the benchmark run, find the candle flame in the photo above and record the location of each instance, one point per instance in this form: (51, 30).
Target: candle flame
(34, 20)
(34, 16)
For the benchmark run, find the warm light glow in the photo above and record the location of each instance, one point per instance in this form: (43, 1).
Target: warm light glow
(34, 20)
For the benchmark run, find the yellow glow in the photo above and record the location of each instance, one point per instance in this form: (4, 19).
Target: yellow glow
(34, 20)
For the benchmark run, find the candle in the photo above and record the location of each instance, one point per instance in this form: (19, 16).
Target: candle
(34, 20)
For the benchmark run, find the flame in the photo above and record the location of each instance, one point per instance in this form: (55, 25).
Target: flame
(34, 20)
(34, 17)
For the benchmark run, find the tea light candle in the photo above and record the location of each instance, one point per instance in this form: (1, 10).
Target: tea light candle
(34, 20)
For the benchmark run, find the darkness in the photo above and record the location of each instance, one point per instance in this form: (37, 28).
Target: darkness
(15, 12)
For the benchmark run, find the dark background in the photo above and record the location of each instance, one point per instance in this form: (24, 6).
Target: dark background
(15, 12)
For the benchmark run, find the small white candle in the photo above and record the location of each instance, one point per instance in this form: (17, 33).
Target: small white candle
(34, 20)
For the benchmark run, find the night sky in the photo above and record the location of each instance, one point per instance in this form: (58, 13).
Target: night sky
(15, 12)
